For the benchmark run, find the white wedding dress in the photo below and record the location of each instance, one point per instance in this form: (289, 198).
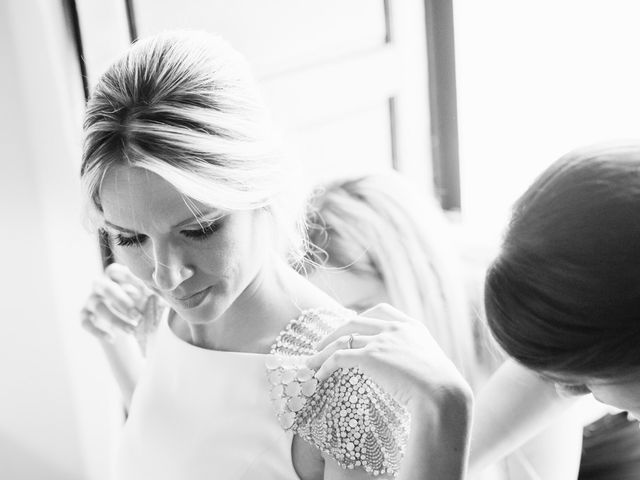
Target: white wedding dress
(202, 414)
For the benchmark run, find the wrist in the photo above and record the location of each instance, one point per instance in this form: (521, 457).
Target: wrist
(439, 438)
(445, 401)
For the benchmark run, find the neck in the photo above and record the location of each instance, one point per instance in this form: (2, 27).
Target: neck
(256, 317)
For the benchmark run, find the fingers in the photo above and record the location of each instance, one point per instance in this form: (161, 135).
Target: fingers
(107, 291)
(87, 321)
(138, 296)
(104, 314)
(359, 325)
(120, 273)
(398, 322)
(131, 284)
(338, 359)
(382, 317)
(345, 343)
(151, 314)
(119, 300)
(384, 311)
(334, 351)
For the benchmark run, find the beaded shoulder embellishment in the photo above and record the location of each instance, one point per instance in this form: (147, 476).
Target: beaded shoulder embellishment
(348, 416)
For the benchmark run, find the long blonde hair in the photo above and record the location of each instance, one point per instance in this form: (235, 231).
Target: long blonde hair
(185, 106)
(380, 224)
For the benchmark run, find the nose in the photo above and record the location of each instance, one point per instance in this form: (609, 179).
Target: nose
(169, 269)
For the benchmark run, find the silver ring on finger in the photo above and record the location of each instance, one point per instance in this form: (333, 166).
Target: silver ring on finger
(350, 341)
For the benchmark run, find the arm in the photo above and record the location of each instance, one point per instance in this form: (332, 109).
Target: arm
(400, 355)
(438, 442)
(439, 439)
(122, 313)
(437, 447)
(125, 359)
(553, 454)
(514, 406)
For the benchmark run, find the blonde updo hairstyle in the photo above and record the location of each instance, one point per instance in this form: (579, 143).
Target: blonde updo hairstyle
(184, 105)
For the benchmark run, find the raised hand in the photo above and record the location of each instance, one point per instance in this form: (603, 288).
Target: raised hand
(119, 301)
(398, 352)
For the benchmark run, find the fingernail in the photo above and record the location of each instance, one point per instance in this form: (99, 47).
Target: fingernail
(129, 328)
(134, 315)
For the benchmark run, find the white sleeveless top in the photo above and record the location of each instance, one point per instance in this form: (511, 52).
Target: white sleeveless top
(201, 414)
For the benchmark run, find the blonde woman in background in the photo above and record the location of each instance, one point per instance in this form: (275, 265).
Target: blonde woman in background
(376, 240)
(182, 171)
(373, 239)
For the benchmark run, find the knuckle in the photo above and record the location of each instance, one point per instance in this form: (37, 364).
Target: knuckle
(390, 328)
(92, 302)
(97, 285)
(393, 327)
(109, 301)
(360, 323)
(374, 349)
(382, 310)
(113, 268)
(389, 337)
(370, 348)
(380, 344)
(386, 308)
(101, 310)
(337, 356)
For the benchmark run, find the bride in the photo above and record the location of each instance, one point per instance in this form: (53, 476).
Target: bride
(252, 371)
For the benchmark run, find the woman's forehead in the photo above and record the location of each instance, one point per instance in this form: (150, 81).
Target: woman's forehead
(121, 178)
(131, 195)
(124, 188)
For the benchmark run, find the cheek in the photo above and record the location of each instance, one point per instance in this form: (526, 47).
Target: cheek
(248, 243)
(621, 398)
(235, 261)
(216, 258)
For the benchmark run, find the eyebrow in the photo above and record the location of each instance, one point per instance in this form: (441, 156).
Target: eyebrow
(193, 219)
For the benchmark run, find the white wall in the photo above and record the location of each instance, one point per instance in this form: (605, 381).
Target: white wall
(537, 78)
(56, 402)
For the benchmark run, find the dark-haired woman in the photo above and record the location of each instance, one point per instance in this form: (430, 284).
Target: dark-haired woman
(563, 296)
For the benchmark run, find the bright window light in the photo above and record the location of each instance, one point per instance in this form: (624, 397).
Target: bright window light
(536, 79)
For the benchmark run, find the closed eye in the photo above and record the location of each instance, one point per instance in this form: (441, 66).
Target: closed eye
(572, 390)
(205, 231)
(133, 241)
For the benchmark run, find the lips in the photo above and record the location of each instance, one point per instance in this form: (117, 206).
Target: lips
(194, 300)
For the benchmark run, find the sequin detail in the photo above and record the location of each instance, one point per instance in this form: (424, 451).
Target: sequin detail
(348, 416)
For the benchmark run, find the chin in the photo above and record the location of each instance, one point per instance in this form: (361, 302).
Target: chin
(208, 311)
